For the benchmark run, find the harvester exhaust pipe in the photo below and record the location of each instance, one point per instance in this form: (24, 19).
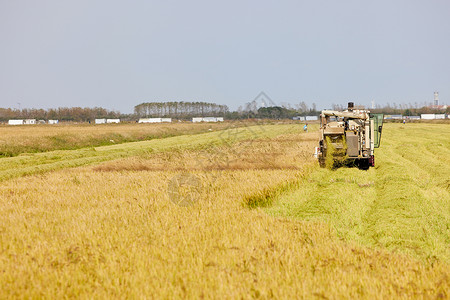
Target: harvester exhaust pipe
(350, 106)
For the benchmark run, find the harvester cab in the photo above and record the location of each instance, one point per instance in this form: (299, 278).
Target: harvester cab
(349, 137)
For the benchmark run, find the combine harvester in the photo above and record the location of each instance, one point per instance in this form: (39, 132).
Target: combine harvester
(348, 138)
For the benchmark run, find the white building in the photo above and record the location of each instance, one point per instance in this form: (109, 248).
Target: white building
(439, 116)
(207, 119)
(109, 121)
(100, 121)
(311, 118)
(197, 120)
(166, 120)
(53, 121)
(29, 121)
(150, 120)
(393, 117)
(15, 122)
(427, 116)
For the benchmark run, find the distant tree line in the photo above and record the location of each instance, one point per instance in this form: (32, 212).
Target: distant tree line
(402, 109)
(186, 110)
(180, 109)
(75, 114)
(272, 112)
(283, 111)
(409, 111)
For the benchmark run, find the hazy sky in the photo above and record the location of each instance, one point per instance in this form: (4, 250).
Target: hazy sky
(117, 54)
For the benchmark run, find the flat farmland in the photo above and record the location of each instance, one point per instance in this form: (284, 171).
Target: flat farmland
(241, 211)
(15, 140)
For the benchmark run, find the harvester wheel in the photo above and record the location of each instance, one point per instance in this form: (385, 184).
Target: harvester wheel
(322, 162)
(363, 164)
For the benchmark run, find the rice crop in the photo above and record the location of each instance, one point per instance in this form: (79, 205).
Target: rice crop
(15, 140)
(263, 220)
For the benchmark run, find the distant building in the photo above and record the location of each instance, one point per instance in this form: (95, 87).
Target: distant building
(393, 117)
(109, 121)
(428, 116)
(100, 121)
(53, 121)
(15, 122)
(30, 122)
(311, 118)
(149, 120)
(155, 120)
(207, 119)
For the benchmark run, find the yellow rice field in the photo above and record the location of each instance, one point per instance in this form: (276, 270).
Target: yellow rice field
(240, 212)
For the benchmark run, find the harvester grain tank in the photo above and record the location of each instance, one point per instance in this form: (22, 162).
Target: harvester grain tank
(349, 137)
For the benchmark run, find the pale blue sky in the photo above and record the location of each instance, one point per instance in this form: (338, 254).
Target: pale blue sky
(117, 54)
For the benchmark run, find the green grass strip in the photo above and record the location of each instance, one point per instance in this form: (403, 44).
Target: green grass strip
(402, 205)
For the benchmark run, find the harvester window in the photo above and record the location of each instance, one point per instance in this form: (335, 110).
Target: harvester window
(378, 124)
